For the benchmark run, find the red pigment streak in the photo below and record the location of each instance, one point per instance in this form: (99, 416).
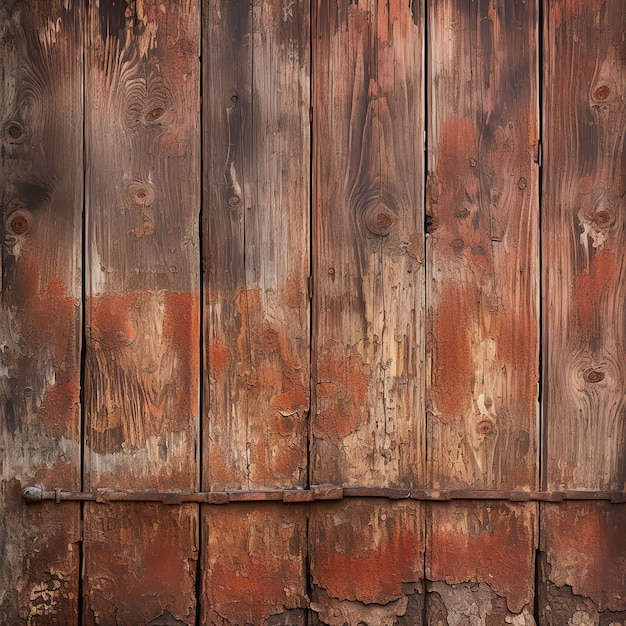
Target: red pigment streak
(490, 543)
(586, 549)
(109, 320)
(591, 286)
(453, 369)
(60, 407)
(366, 559)
(218, 359)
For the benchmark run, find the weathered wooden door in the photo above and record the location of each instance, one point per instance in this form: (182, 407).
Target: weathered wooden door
(313, 312)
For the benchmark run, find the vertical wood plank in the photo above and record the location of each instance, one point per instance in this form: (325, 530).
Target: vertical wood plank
(583, 552)
(142, 305)
(256, 258)
(368, 268)
(41, 198)
(483, 249)
(482, 295)
(583, 545)
(253, 565)
(584, 235)
(367, 563)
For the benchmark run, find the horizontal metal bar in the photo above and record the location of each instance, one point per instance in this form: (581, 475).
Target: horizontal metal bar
(316, 492)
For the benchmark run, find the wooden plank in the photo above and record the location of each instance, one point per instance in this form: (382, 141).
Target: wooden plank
(253, 565)
(482, 295)
(367, 563)
(584, 236)
(142, 298)
(368, 243)
(256, 246)
(41, 196)
(480, 563)
(583, 551)
(483, 249)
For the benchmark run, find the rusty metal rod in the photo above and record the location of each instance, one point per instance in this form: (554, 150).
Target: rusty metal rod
(316, 492)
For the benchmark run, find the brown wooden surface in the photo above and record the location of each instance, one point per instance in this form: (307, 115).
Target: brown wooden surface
(368, 295)
(482, 297)
(583, 251)
(142, 301)
(41, 195)
(254, 565)
(256, 227)
(367, 563)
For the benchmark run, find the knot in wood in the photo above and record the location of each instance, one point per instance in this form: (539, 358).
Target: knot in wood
(379, 219)
(593, 376)
(485, 427)
(18, 223)
(602, 92)
(140, 192)
(14, 132)
(602, 218)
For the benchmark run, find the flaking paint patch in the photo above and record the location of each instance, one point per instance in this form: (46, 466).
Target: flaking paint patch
(485, 543)
(218, 359)
(592, 285)
(453, 368)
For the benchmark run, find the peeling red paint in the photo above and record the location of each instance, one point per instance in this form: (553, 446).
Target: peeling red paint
(591, 286)
(218, 359)
(585, 544)
(60, 407)
(253, 563)
(453, 368)
(492, 543)
(365, 551)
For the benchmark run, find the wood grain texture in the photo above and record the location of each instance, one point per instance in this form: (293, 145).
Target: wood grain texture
(41, 196)
(480, 563)
(583, 244)
(367, 563)
(142, 309)
(368, 243)
(583, 553)
(142, 365)
(256, 259)
(141, 565)
(253, 564)
(482, 287)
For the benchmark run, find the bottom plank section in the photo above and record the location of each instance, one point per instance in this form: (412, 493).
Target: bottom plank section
(367, 563)
(480, 563)
(583, 564)
(254, 565)
(140, 562)
(39, 564)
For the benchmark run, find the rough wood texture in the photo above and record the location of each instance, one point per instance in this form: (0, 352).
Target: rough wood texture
(368, 243)
(142, 298)
(583, 549)
(257, 240)
(141, 565)
(41, 196)
(482, 287)
(584, 235)
(480, 559)
(367, 563)
(253, 565)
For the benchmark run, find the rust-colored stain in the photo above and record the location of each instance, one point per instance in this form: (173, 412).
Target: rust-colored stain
(139, 562)
(365, 551)
(592, 285)
(253, 564)
(61, 407)
(344, 388)
(109, 320)
(567, 10)
(585, 544)
(218, 359)
(453, 368)
(490, 543)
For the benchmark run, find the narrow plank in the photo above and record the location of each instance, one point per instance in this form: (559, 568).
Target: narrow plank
(583, 551)
(480, 563)
(368, 264)
(584, 235)
(482, 295)
(367, 563)
(256, 259)
(41, 196)
(253, 565)
(483, 248)
(142, 298)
